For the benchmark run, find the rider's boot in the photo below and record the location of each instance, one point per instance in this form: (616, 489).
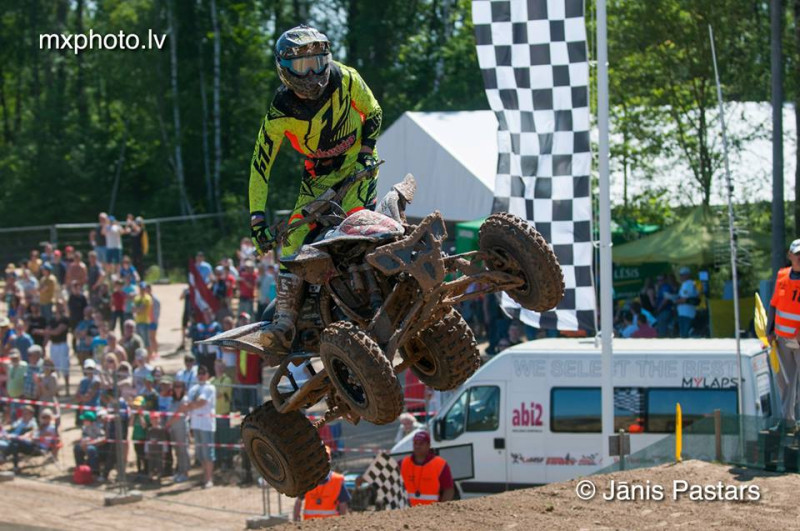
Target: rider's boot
(279, 334)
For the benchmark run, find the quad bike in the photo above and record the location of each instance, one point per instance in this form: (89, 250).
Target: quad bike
(379, 299)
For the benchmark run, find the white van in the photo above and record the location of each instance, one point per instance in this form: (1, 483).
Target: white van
(531, 415)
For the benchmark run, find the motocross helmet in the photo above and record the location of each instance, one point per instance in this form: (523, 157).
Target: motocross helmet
(303, 58)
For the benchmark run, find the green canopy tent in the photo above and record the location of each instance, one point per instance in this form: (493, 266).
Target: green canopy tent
(467, 235)
(691, 241)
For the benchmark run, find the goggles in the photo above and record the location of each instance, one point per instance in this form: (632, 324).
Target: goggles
(301, 66)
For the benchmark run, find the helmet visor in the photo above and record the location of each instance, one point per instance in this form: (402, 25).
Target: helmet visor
(301, 66)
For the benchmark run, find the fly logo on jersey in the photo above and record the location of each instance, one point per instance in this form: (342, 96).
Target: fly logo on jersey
(334, 129)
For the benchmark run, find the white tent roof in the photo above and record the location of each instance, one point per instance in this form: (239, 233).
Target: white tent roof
(453, 157)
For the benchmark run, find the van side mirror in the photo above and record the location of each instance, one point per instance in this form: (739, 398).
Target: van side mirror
(438, 429)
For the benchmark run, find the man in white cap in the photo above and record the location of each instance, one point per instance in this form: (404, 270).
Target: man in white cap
(686, 301)
(784, 325)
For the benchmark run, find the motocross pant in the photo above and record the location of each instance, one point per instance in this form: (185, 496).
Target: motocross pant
(361, 195)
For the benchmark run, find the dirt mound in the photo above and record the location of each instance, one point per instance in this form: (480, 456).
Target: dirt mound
(557, 506)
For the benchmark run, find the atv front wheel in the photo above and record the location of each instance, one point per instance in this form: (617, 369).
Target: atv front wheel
(286, 449)
(516, 248)
(449, 353)
(361, 373)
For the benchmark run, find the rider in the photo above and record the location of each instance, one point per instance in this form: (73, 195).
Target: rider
(329, 114)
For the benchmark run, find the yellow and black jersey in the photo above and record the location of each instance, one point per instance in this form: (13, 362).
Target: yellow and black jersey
(329, 131)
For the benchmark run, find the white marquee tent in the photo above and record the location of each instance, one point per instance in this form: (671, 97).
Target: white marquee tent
(453, 157)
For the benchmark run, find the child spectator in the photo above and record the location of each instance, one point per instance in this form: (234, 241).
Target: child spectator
(131, 341)
(128, 270)
(85, 332)
(130, 294)
(87, 448)
(142, 308)
(22, 340)
(118, 298)
(42, 438)
(141, 423)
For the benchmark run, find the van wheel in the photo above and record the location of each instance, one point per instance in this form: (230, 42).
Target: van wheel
(361, 373)
(516, 248)
(285, 448)
(449, 353)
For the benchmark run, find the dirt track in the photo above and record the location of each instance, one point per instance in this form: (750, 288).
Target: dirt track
(558, 507)
(33, 503)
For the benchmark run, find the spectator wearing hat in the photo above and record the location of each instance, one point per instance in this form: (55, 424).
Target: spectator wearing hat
(25, 424)
(142, 309)
(41, 439)
(15, 385)
(686, 302)
(88, 394)
(783, 325)
(49, 291)
(76, 269)
(87, 448)
(141, 423)
(201, 407)
(188, 375)
(427, 477)
(131, 341)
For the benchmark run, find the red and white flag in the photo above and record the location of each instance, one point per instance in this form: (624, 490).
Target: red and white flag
(201, 297)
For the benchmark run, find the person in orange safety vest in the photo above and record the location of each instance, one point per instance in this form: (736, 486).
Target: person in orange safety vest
(427, 477)
(328, 499)
(784, 325)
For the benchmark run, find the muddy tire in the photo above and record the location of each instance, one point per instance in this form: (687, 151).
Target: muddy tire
(521, 251)
(286, 449)
(449, 353)
(362, 375)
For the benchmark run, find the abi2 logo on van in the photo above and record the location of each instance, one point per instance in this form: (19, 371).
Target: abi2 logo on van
(527, 417)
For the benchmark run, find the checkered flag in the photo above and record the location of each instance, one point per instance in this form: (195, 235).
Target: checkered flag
(533, 58)
(384, 473)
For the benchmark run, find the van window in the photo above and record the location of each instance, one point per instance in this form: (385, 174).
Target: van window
(477, 409)
(484, 408)
(695, 404)
(578, 409)
(454, 419)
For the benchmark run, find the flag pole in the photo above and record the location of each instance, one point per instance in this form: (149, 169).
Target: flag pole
(606, 301)
(731, 229)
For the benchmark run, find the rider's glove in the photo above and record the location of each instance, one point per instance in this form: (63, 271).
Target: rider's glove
(260, 234)
(365, 160)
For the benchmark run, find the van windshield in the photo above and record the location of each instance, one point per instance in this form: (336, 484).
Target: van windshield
(477, 409)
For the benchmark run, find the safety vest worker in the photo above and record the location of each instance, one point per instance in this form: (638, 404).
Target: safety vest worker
(784, 325)
(427, 477)
(326, 500)
(786, 300)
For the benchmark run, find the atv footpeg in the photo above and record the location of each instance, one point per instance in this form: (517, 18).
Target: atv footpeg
(244, 338)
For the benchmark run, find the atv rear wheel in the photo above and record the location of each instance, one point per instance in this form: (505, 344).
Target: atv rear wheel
(449, 353)
(286, 449)
(361, 373)
(516, 248)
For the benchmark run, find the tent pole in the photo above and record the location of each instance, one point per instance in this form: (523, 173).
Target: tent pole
(606, 302)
